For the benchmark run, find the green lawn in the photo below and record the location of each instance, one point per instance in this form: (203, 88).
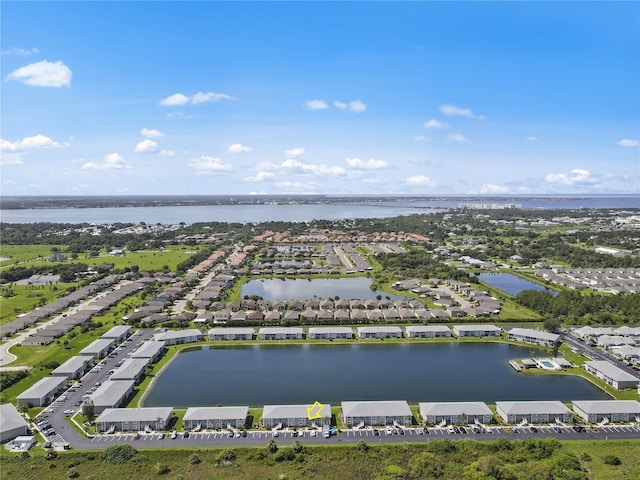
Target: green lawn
(25, 298)
(25, 253)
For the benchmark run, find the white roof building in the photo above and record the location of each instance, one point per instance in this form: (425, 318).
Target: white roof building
(98, 348)
(274, 416)
(427, 331)
(42, 392)
(476, 330)
(111, 394)
(376, 413)
(593, 411)
(179, 337)
(215, 417)
(149, 349)
(611, 375)
(12, 424)
(380, 332)
(317, 333)
(131, 419)
(455, 412)
(529, 335)
(73, 368)
(533, 412)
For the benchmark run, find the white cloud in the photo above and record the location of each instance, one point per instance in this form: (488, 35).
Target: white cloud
(313, 169)
(260, 177)
(491, 188)
(111, 161)
(533, 139)
(575, 177)
(370, 164)
(298, 187)
(340, 105)
(294, 152)
(43, 74)
(178, 99)
(202, 97)
(238, 148)
(419, 180)
(433, 123)
(316, 105)
(12, 158)
(420, 138)
(452, 110)
(174, 100)
(167, 153)
(8, 181)
(370, 180)
(628, 142)
(458, 138)
(357, 106)
(37, 141)
(267, 166)
(20, 51)
(146, 146)
(151, 133)
(209, 165)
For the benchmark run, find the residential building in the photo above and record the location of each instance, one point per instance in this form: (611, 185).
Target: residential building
(42, 392)
(73, 368)
(179, 337)
(281, 416)
(12, 424)
(231, 333)
(358, 414)
(150, 350)
(380, 332)
(323, 333)
(215, 417)
(455, 413)
(280, 333)
(111, 394)
(118, 333)
(594, 411)
(533, 412)
(131, 369)
(132, 419)
(427, 331)
(611, 375)
(99, 348)
(476, 330)
(537, 337)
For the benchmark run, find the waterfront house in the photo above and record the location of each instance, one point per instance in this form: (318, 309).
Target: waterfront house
(534, 412)
(614, 411)
(215, 417)
(427, 331)
(111, 394)
(360, 414)
(179, 337)
(280, 333)
(454, 413)
(231, 334)
(380, 332)
(611, 375)
(132, 419)
(12, 424)
(150, 350)
(323, 333)
(537, 337)
(476, 330)
(281, 416)
(42, 392)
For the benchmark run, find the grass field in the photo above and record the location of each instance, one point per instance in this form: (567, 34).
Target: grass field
(25, 298)
(460, 460)
(25, 253)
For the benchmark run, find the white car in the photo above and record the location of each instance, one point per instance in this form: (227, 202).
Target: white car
(313, 433)
(69, 412)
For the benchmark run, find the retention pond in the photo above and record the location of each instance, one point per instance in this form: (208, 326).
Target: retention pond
(259, 375)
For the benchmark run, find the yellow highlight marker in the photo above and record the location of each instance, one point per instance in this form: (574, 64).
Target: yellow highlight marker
(317, 407)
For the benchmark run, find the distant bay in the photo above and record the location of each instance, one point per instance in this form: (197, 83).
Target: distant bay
(295, 212)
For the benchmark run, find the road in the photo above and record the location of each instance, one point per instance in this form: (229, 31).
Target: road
(596, 353)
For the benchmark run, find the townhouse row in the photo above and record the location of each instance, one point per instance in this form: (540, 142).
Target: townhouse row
(359, 414)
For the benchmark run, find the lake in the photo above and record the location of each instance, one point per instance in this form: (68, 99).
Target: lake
(260, 375)
(257, 213)
(289, 289)
(511, 284)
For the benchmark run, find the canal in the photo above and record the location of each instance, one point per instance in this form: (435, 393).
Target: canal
(259, 375)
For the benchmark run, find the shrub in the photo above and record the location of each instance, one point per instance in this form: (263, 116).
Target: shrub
(73, 474)
(118, 454)
(194, 459)
(611, 460)
(162, 468)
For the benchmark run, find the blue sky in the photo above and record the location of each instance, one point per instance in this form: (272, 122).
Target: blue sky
(320, 98)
